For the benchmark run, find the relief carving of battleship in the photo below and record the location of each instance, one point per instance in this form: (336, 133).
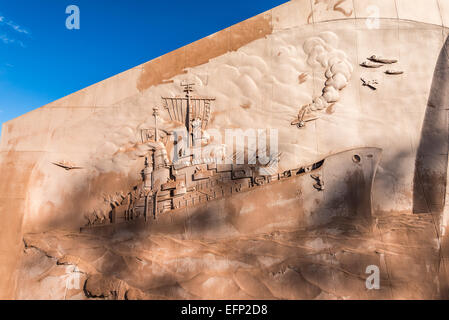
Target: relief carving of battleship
(196, 197)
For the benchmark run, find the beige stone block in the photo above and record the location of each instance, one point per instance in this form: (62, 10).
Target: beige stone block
(11, 214)
(386, 133)
(29, 132)
(444, 11)
(15, 170)
(3, 141)
(354, 276)
(292, 14)
(249, 30)
(392, 24)
(381, 42)
(445, 33)
(432, 170)
(445, 251)
(163, 68)
(393, 186)
(380, 24)
(117, 88)
(60, 117)
(338, 132)
(411, 41)
(383, 9)
(308, 150)
(327, 10)
(78, 125)
(435, 132)
(444, 276)
(201, 51)
(9, 265)
(82, 98)
(415, 124)
(426, 11)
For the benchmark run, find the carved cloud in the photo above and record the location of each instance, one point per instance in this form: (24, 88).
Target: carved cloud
(322, 51)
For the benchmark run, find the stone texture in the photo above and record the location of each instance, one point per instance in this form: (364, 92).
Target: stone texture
(444, 11)
(421, 10)
(327, 10)
(292, 14)
(384, 9)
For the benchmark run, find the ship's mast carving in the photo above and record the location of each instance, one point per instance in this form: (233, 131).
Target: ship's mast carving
(189, 110)
(188, 88)
(156, 130)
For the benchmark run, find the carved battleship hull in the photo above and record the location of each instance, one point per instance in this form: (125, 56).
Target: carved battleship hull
(329, 193)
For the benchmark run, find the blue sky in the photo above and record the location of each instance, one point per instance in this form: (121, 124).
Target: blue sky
(42, 61)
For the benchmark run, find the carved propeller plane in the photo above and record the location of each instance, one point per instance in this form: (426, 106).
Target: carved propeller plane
(369, 83)
(66, 166)
(303, 117)
(382, 60)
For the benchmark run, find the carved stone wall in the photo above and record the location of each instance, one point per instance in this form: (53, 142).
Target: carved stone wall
(261, 72)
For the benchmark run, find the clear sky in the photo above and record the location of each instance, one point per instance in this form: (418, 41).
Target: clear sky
(42, 61)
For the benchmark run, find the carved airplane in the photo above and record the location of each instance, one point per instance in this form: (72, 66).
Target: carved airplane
(394, 72)
(303, 117)
(369, 64)
(65, 165)
(377, 59)
(369, 83)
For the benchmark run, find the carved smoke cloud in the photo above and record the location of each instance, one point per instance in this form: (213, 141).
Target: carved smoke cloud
(322, 51)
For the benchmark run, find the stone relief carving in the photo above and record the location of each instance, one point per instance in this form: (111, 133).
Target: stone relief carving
(336, 5)
(189, 182)
(378, 62)
(319, 185)
(394, 72)
(66, 165)
(322, 51)
(369, 64)
(370, 83)
(189, 204)
(382, 60)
